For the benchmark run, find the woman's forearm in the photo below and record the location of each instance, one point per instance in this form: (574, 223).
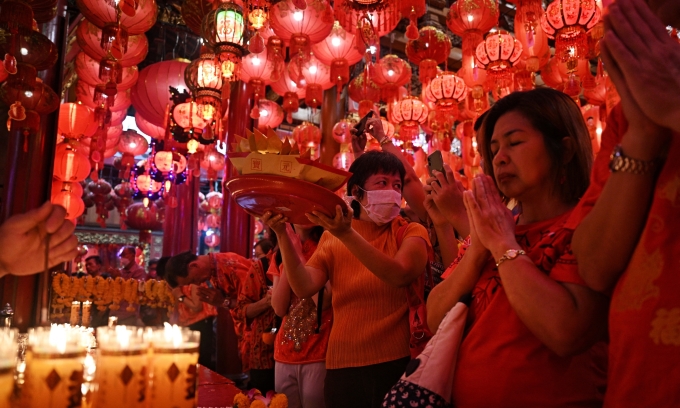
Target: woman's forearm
(567, 318)
(255, 309)
(604, 242)
(281, 295)
(461, 282)
(304, 281)
(448, 244)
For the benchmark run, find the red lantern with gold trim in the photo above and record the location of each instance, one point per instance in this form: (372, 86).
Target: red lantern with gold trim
(291, 94)
(389, 73)
(431, 48)
(271, 115)
(364, 91)
(408, 113)
(339, 51)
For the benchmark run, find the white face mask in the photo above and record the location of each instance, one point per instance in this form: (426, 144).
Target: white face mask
(383, 205)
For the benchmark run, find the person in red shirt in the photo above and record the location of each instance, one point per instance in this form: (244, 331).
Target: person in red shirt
(533, 323)
(302, 340)
(628, 243)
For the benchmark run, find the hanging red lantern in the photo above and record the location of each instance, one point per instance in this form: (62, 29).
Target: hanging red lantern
(291, 94)
(408, 113)
(89, 38)
(94, 73)
(143, 184)
(429, 49)
(189, 116)
(42, 99)
(389, 73)
(58, 185)
(76, 121)
(204, 79)
(106, 15)
(368, 19)
(528, 31)
(144, 217)
(212, 240)
(498, 54)
(212, 221)
(94, 98)
(169, 161)
(338, 51)
(568, 22)
(193, 12)
(364, 91)
(223, 28)
(72, 203)
(213, 162)
(343, 160)
(412, 9)
(256, 70)
(447, 90)
(149, 129)
(317, 76)
(70, 165)
(215, 200)
(271, 115)
(342, 131)
(132, 143)
(299, 29)
(307, 135)
(151, 94)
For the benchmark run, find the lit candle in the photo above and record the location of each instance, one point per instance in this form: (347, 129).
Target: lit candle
(8, 354)
(87, 306)
(75, 313)
(54, 368)
(175, 371)
(122, 368)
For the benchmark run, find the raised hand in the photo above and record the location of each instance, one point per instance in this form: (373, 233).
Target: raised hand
(277, 222)
(22, 240)
(338, 225)
(638, 51)
(490, 220)
(447, 193)
(210, 296)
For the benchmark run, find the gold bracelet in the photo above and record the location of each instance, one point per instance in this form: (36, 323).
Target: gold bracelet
(385, 141)
(619, 162)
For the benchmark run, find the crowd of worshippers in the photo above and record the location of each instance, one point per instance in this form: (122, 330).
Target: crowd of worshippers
(567, 261)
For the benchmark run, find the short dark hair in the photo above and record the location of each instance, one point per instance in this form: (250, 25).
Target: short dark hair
(128, 248)
(96, 258)
(153, 262)
(368, 164)
(160, 266)
(265, 244)
(556, 116)
(178, 267)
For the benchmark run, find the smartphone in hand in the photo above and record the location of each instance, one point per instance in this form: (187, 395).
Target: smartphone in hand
(361, 126)
(435, 161)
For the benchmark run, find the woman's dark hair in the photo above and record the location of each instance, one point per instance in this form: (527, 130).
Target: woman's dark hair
(96, 258)
(177, 267)
(556, 116)
(160, 266)
(314, 234)
(368, 164)
(265, 244)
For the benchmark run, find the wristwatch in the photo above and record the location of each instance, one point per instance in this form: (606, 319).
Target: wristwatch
(619, 162)
(509, 255)
(226, 303)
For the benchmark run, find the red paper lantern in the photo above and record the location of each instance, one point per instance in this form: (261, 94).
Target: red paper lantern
(212, 240)
(58, 185)
(389, 73)
(89, 38)
(256, 70)
(364, 91)
(93, 73)
(168, 161)
(76, 121)
(104, 141)
(132, 143)
(339, 51)
(535, 48)
(408, 114)
(307, 135)
(189, 115)
(72, 202)
(447, 90)
(271, 115)
(299, 29)
(343, 160)
(368, 19)
(431, 48)
(103, 14)
(223, 28)
(204, 79)
(317, 76)
(498, 54)
(291, 94)
(341, 131)
(568, 22)
(151, 94)
(148, 128)
(193, 12)
(94, 98)
(472, 15)
(144, 217)
(213, 162)
(42, 99)
(70, 165)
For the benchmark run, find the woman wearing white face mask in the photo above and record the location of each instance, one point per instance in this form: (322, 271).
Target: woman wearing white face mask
(369, 271)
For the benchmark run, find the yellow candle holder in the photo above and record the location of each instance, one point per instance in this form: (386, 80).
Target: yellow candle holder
(54, 368)
(174, 375)
(8, 361)
(75, 313)
(122, 373)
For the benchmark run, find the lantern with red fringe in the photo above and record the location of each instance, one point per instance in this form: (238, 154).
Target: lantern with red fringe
(389, 74)
(338, 51)
(204, 79)
(498, 54)
(213, 162)
(364, 91)
(447, 90)
(131, 144)
(89, 38)
(412, 9)
(535, 48)
(291, 94)
(271, 115)
(76, 121)
(308, 137)
(256, 70)
(103, 201)
(223, 28)
(123, 199)
(70, 165)
(317, 76)
(368, 20)
(151, 94)
(298, 28)
(429, 49)
(408, 114)
(144, 217)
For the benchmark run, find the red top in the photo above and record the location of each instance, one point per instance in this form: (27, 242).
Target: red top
(297, 341)
(500, 362)
(644, 317)
(187, 317)
(228, 270)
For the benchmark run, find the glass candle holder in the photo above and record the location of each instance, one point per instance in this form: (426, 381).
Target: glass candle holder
(122, 368)
(174, 367)
(8, 360)
(54, 368)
